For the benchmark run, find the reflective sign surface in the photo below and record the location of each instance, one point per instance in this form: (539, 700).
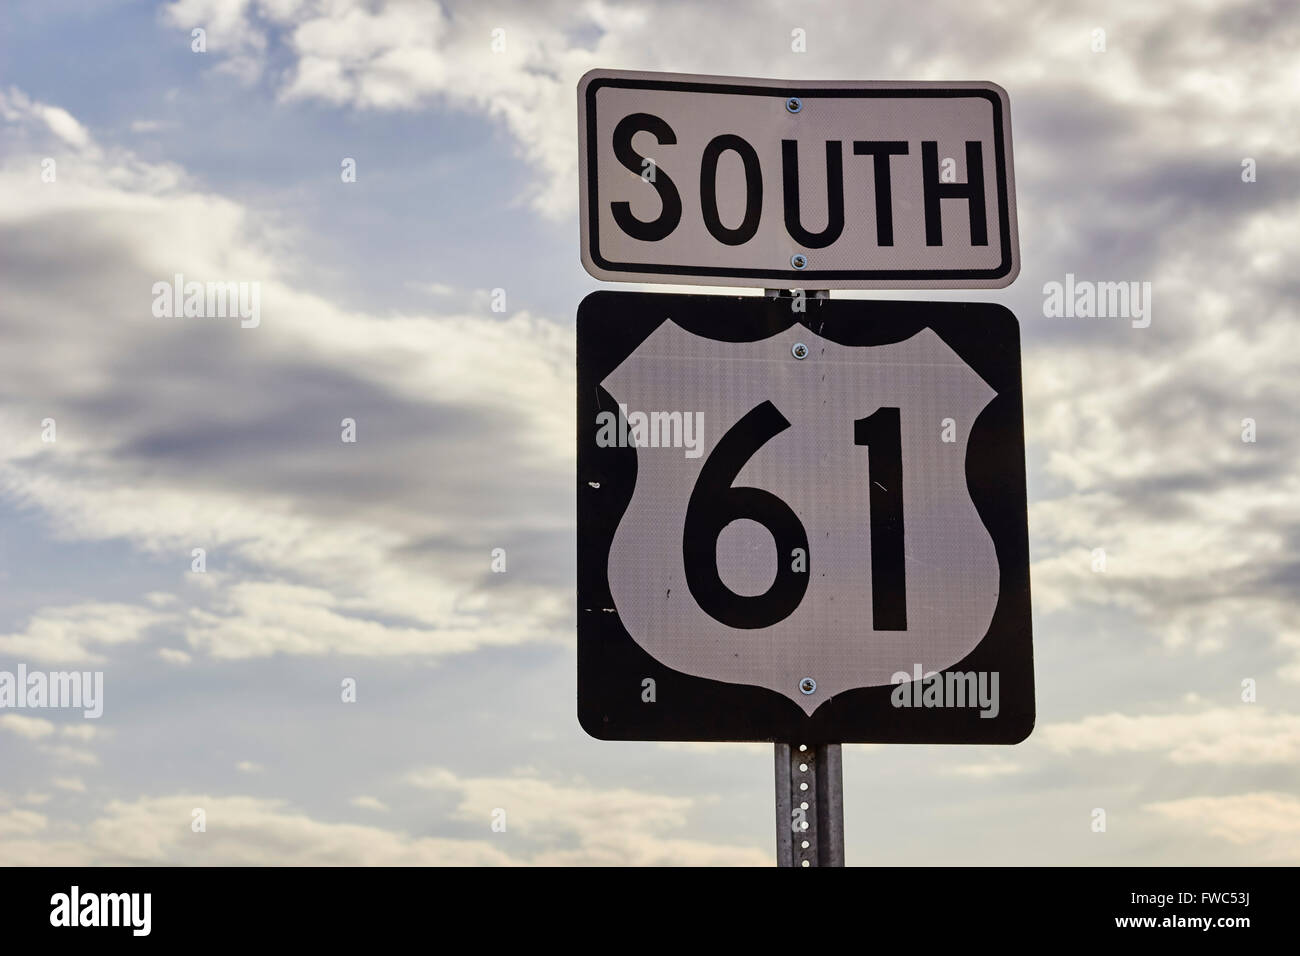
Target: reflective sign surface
(789, 521)
(726, 181)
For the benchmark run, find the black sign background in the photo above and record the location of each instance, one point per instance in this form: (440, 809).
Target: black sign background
(611, 665)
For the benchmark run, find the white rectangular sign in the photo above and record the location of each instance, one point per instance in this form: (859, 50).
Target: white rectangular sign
(793, 184)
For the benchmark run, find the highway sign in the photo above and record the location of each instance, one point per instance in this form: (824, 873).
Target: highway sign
(801, 526)
(795, 184)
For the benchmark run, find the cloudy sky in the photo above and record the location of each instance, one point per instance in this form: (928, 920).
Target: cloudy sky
(370, 561)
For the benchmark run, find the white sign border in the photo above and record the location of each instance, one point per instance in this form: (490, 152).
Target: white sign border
(588, 211)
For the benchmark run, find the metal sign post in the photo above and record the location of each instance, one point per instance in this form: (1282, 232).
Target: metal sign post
(809, 805)
(809, 781)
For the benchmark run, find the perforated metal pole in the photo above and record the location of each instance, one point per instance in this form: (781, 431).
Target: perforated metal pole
(809, 781)
(809, 805)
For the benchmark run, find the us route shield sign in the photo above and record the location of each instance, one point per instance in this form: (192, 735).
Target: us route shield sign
(802, 526)
(715, 180)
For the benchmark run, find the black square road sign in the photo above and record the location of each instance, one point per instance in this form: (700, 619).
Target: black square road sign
(801, 526)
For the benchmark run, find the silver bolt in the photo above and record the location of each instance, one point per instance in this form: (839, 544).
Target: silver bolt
(794, 104)
(807, 685)
(799, 350)
(799, 260)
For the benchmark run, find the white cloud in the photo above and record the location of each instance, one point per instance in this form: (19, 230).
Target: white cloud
(16, 106)
(66, 753)
(622, 826)
(1248, 734)
(250, 831)
(17, 823)
(258, 619)
(1267, 822)
(29, 728)
(83, 732)
(64, 126)
(988, 769)
(546, 827)
(78, 634)
(389, 556)
(441, 289)
(45, 735)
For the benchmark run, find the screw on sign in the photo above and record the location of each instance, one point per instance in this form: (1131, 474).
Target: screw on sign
(811, 552)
